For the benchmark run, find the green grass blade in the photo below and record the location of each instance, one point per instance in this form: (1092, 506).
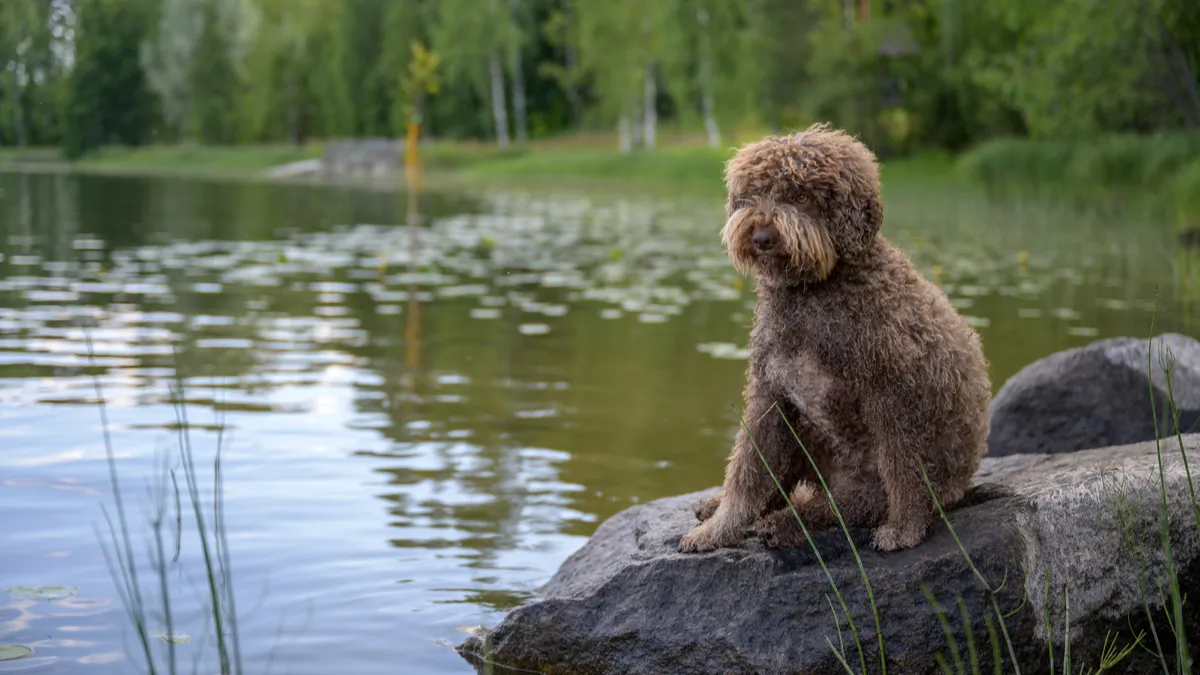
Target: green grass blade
(971, 564)
(949, 634)
(862, 570)
(1049, 624)
(1181, 646)
(808, 537)
(222, 543)
(129, 566)
(190, 479)
(972, 652)
(997, 660)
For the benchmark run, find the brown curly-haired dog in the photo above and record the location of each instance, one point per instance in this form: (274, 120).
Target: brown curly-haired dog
(868, 362)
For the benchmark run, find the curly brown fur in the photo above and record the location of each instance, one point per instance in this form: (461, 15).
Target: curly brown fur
(868, 361)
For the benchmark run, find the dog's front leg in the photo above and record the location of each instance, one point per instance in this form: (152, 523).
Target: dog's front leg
(749, 488)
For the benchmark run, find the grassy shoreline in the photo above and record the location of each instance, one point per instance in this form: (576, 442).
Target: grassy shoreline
(1160, 166)
(683, 167)
(1162, 170)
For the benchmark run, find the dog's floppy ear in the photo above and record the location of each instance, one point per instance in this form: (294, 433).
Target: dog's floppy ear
(858, 219)
(859, 213)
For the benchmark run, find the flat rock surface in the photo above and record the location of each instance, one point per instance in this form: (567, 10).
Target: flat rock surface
(1084, 524)
(1097, 395)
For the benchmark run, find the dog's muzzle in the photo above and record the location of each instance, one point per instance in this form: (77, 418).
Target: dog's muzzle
(765, 238)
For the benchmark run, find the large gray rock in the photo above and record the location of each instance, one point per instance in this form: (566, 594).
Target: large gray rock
(629, 603)
(1096, 396)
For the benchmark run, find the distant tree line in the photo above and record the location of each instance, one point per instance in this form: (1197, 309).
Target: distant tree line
(906, 74)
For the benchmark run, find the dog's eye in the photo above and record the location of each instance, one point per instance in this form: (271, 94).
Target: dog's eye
(802, 199)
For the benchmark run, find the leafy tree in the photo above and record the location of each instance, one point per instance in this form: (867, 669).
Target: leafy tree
(107, 98)
(365, 36)
(472, 38)
(905, 74)
(402, 28)
(213, 78)
(168, 55)
(18, 24)
(294, 68)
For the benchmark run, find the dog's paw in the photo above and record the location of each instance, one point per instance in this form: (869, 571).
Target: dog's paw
(705, 508)
(892, 537)
(704, 537)
(692, 542)
(780, 530)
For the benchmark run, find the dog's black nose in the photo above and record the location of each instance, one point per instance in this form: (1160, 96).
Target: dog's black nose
(764, 239)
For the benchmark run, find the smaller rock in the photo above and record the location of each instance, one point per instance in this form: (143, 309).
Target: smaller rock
(1097, 396)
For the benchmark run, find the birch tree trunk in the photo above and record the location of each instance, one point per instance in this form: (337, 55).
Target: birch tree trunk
(636, 119)
(518, 87)
(499, 108)
(626, 133)
(650, 114)
(706, 101)
(14, 95)
(572, 91)
(518, 81)
(293, 111)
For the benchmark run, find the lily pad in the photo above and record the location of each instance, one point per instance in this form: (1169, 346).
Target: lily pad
(53, 592)
(14, 652)
(173, 638)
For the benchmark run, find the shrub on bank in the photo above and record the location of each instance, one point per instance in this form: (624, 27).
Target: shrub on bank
(1160, 165)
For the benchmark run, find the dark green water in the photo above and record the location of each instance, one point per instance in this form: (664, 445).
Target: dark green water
(421, 427)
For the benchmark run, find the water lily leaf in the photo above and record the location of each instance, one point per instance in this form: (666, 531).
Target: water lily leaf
(173, 638)
(14, 652)
(53, 592)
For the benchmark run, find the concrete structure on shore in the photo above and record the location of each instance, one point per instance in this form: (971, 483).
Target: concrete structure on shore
(349, 156)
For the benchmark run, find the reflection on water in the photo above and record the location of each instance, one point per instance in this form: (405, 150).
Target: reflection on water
(420, 428)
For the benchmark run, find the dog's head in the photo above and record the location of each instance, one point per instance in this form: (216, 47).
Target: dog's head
(798, 204)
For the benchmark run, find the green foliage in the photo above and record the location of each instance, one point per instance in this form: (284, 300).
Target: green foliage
(364, 33)
(1165, 164)
(20, 24)
(107, 98)
(296, 87)
(419, 80)
(1080, 67)
(697, 167)
(907, 77)
(213, 80)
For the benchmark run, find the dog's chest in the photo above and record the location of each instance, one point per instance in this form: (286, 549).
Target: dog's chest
(806, 382)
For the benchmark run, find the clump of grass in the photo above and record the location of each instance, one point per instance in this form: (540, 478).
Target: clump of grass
(846, 531)
(699, 168)
(124, 572)
(123, 566)
(29, 154)
(1177, 625)
(1115, 161)
(992, 592)
(1159, 165)
(820, 560)
(193, 157)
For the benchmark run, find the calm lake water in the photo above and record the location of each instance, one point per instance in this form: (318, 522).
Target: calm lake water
(418, 426)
